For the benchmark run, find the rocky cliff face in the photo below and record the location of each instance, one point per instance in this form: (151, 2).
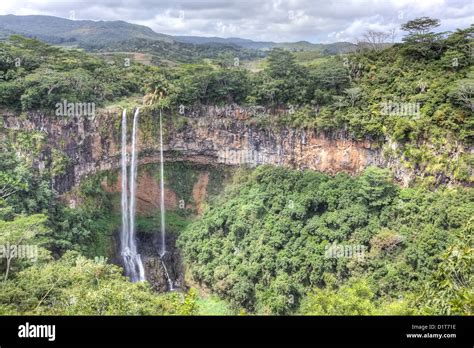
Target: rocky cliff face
(230, 141)
(207, 136)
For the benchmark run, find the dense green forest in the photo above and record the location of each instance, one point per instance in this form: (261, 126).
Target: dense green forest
(433, 72)
(262, 245)
(60, 280)
(170, 53)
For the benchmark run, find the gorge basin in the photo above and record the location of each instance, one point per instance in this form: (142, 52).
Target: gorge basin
(163, 272)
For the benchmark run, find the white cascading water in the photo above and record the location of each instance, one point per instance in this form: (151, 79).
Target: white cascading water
(124, 235)
(131, 259)
(162, 208)
(162, 194)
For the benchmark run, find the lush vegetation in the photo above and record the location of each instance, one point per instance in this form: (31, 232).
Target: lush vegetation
(76, 285)
(416, 94)
(264, 245)
(66, 270)
(63, 268)
(37, 76)
(164, 53)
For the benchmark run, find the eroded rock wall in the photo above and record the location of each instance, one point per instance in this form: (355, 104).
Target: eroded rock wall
(208, 136)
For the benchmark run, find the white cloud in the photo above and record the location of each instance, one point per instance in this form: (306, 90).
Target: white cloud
(275, 20)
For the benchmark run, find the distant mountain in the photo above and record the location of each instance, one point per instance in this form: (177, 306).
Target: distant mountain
(88, 33)
(62, 31)
(161, 52)
(333, 48)
(246, 43)
(5, 33)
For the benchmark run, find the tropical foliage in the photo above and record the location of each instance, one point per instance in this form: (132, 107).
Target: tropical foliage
(265, 245)
(277, 241)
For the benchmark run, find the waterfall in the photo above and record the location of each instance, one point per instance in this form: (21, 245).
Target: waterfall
(125, 231)
(131, 259)
(162, 194)
(167, 276)
(163, 210)
(138, 266)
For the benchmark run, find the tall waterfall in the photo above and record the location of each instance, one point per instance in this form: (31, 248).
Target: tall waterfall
(162, 193)
(124, 236)
(163, 210)
(131, 259)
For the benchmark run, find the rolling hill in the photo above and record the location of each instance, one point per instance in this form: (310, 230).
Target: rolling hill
(64, 31)
(87, 33)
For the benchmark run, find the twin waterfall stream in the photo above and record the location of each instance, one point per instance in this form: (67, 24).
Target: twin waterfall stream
(132, 261)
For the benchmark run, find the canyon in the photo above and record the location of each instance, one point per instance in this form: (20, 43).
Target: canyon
(207, 136)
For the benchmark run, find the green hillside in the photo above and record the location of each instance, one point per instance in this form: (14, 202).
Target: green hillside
(64, 31)
(269, 241)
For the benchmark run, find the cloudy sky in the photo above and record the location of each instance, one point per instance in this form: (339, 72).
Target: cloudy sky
(276, 20)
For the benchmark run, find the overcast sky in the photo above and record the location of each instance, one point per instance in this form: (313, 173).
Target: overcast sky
(275, 20)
